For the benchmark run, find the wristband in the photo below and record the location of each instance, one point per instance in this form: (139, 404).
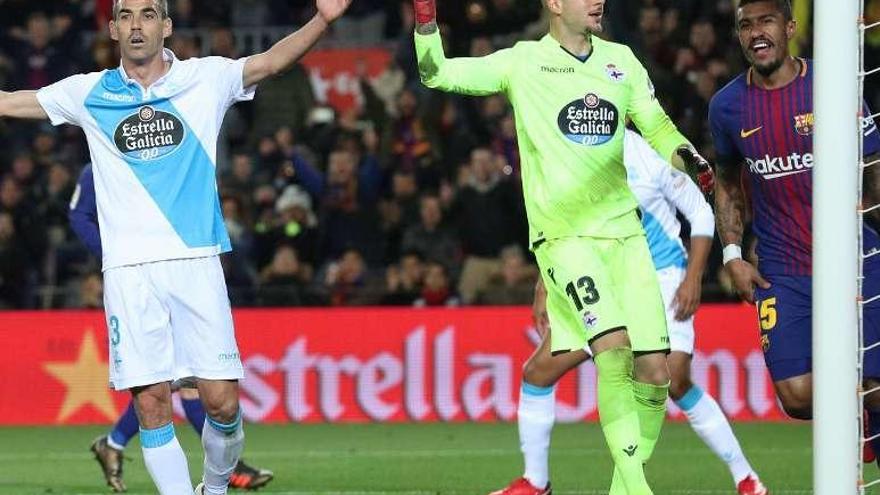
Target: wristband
(732, 252)
(425, 10)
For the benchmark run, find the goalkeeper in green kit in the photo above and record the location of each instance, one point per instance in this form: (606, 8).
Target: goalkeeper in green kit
(572, 93)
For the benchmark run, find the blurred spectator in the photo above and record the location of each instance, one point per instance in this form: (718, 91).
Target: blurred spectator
(38, 60)
(349, 216)
(294, 225)
(89, 292)
(250, 13)
(487, 211)
(513, 284)
(437, 289)
(411, 147)
(13, 265)
(363, 23)
(284, 282)
(404, 280)
(348, 282)
(284, 100)
(430, 236)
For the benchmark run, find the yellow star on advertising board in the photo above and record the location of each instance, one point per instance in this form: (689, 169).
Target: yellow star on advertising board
(86, 380)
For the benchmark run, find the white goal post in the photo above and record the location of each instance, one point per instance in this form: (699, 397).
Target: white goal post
(836, 247)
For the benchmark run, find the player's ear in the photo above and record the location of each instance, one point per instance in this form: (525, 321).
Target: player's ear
(790, 28)
(167, 27)
(554, 6)
(114, 30)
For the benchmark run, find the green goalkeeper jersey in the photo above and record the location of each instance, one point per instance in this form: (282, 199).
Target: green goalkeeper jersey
(570, 119)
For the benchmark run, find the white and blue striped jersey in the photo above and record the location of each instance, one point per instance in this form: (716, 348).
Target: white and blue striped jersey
(661, 190)
(154, 154)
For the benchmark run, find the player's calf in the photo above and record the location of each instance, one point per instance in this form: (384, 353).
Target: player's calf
(796, 396)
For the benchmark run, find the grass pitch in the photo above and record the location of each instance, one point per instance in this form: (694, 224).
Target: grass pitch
(414, 459)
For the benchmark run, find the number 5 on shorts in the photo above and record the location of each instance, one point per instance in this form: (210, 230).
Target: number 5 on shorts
(583, 292)
(767, 313)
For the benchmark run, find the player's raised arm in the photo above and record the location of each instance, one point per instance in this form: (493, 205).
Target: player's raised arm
(283, 54)
(477, 76)
(21, 105)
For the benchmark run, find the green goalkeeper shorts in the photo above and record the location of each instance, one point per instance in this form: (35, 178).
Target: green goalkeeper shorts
(596, 286)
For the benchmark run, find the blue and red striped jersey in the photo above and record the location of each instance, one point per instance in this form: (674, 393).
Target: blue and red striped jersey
(771, 133)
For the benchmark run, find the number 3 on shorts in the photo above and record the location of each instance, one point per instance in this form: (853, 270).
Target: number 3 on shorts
(583, 292)
(114, 330)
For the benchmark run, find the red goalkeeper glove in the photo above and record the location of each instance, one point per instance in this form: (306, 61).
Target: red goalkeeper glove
(699, 167)
(426, 11)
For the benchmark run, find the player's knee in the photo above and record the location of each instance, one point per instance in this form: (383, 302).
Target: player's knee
(223, 411)
(679, 386)
(536, 373)
(153, 406)
(652, 369)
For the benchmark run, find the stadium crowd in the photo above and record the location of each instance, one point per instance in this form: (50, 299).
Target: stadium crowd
(411, 199)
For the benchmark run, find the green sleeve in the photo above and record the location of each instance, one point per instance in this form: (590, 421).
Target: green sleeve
(477, 76)
(656, 127)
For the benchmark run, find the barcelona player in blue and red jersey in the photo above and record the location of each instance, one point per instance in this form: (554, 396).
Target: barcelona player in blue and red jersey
(763, 122)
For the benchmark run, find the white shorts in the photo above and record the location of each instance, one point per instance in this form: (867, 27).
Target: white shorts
(168, 320)
(681, 333)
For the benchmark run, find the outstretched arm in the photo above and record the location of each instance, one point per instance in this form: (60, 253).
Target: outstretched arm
(282, 55)
(21, 105)
(475, 76)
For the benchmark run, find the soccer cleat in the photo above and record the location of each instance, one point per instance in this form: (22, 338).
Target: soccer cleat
(522, 486)
(752, 486)
(110, 460)
(200, 489)
(249, 478)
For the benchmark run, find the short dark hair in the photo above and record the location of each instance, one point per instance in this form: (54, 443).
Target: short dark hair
(783, 6)
(160, 5)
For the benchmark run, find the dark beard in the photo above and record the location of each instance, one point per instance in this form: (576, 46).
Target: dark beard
(767, 70)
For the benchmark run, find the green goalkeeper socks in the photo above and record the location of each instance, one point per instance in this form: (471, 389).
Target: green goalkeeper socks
(619, 417)
(651, 403)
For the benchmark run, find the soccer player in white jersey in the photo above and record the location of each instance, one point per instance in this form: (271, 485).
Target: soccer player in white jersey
(152, 127)
(661, 192)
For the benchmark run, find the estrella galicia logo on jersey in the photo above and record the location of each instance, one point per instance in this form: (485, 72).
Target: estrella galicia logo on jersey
(149, 134)
(589, 121)
(803, 124)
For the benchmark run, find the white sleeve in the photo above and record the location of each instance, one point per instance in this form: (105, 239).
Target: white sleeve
(227, 75)
(681, 191)
(64, 101)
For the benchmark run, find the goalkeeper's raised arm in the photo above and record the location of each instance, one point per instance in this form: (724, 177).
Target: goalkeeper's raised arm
(478, 76)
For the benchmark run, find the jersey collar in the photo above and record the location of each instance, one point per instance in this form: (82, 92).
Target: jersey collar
(551, 41)
(167, 56)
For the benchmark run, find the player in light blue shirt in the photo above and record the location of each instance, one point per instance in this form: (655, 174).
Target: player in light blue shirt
(152, 126)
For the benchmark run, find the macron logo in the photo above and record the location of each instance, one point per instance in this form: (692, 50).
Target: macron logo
(117, 97)
(774, 167)
(557, 70)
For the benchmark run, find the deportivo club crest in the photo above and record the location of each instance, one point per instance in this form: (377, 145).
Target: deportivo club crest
(614, 73)
(803, 124)
(148, 134)
(589, 121)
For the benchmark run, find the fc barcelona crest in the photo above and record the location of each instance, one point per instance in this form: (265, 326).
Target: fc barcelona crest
(803, 124)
